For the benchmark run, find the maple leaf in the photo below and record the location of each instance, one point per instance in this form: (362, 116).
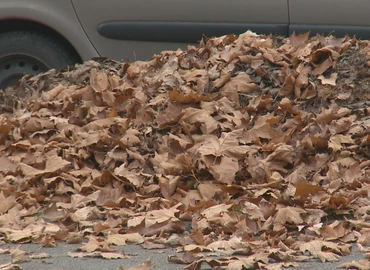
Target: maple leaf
(241, 83)
(168, 185)
(170, 116)
(34, 124)
(301, 81)
(49, 241)
(299, 40)
(324, 250)
(263, 129)
(96, 244)
(208, 190)
(288, 86)
(330, 81)
(104, 255)
(5, 127)
(276, 161)
(99, 81)
(53, 93)
(133, 177)
(194, 116)
(336, 142)
(40, 256)
(18, 255)
(197, 236)
(6, 166)
(106, 123)
(53, 164)
(190, 97)
(305, 189)
(224, 171)
(227, 145)
(130, 138)
(164, 164)
(6, 203)
(333, 231)
(216, 210)
(144, 266)
(360, 265)
(286, 215)
(53, 213)
(124, 239)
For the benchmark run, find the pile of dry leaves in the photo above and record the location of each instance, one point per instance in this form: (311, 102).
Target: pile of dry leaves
(251, 147)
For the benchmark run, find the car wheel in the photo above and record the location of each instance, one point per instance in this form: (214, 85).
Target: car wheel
(27, 52)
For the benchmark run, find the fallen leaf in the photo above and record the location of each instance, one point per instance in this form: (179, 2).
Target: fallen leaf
(330, 81)
(124, 239)
(144, 266)
(359, 265)
(18, 255)
(286, 215)
(40, 256)
(299, 40)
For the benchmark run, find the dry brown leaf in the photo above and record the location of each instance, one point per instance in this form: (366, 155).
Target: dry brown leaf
(144, 266)
(5, 127)
(6, 166)
(133, 177)
(330, 81)
(333, 231)
(216, 210)
(40, 256)
(53, 164)
(168, 185)
(6, 203)
(49, 241)
(238, 84)
(99, 81)
(337, 141)
(183, 98)
(227, 145)
(124, 239)
(288, 87)
(304, 189)
(209, 190)
(53, 213)
(18, 255)
(223, 169)
(194, 116)
(324, 250)
(359, 265)
(10, 266)
(290, 215)
(96, 244)
(299, 40)
(301, 82)
(104, 255)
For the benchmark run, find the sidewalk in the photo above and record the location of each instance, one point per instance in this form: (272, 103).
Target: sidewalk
(60, 260)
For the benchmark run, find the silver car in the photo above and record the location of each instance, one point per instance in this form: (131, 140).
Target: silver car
(36, 35)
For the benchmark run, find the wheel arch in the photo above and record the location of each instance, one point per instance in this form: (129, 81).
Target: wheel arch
(8, 25)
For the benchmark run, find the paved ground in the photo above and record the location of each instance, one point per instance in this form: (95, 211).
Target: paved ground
(61, 261)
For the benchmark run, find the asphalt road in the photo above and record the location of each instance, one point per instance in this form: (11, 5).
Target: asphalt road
(60, 260)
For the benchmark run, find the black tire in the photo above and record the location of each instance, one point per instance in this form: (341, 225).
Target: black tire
(28, 52)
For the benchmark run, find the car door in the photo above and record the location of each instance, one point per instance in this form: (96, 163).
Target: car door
(136, 29)
(339, 17)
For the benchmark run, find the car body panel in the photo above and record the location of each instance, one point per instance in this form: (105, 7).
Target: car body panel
(339, 17)
(137, 29)
(93, 13)
(191, 32)
(57, 15)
